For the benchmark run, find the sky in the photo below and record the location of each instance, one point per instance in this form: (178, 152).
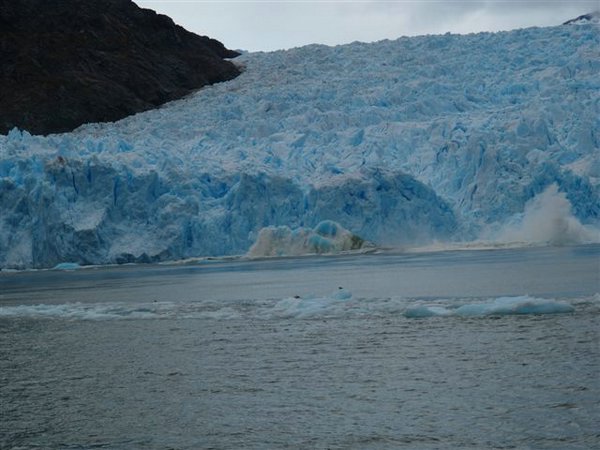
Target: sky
(267, 25)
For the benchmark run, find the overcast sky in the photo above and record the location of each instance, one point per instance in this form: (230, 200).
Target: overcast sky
(271, 25)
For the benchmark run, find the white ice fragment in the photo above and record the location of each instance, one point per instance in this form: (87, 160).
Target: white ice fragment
(67, 266)
(515, 305)
(500, 306)
(426, 311)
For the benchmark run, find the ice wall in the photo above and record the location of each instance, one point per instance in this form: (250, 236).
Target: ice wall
(398, 141)
(92, 213)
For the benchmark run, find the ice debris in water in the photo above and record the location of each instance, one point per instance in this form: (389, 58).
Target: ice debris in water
(426, 311)
(499, 306)
(82, 311)
(327, 237)
(312, 306)
(120, 311)
(515, 305)
(67, 266)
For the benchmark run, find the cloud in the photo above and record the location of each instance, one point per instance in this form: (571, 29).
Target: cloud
(269, 25)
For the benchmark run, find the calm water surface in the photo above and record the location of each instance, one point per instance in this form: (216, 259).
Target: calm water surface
(222, 355)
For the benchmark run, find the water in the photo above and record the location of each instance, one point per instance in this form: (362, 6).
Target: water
(222, 355)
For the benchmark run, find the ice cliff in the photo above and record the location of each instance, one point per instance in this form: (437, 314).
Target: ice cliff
(433, 137)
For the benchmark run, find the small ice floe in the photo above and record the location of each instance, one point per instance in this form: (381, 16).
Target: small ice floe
(500, 306)
(312, 306)
(426, 311)
(67, 266)
(515, 305)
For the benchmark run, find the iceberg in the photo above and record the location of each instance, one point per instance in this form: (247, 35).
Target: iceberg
(515, 305)
(430, 138)
(501, 306)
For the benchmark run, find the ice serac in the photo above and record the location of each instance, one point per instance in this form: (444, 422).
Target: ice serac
(432, 137)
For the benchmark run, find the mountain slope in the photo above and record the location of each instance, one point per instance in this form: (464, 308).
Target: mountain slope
(70, 62)
(585, 19)
(433, 137)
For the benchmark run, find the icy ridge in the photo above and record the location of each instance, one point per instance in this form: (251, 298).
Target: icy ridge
(398, 141)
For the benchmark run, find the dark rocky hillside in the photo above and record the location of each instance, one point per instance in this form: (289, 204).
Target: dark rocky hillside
(64, 63)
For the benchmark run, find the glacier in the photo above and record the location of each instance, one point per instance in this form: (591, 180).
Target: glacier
(430, 138)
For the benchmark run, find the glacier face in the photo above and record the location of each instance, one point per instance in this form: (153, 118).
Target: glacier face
(433, 137)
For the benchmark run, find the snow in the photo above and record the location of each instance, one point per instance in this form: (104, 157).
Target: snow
(399, 142)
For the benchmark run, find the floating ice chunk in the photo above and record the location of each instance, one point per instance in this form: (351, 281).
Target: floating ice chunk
(426, 311)
(64, 311)
(499, 306)
(67, 266)
(515, 305)
(225, 313)
(119, 311)
(342, 294)
(311, 307)
(327, 237)
(295, 307)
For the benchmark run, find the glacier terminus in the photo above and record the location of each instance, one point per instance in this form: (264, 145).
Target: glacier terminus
(405, 142)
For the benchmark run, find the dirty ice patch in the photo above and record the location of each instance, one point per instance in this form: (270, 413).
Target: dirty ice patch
(500, 306)
(327, 237)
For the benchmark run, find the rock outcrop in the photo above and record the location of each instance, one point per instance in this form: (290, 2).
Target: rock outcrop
(593, 17)
(70, 62)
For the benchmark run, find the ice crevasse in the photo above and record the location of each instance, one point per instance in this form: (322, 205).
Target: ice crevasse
(405, 141)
